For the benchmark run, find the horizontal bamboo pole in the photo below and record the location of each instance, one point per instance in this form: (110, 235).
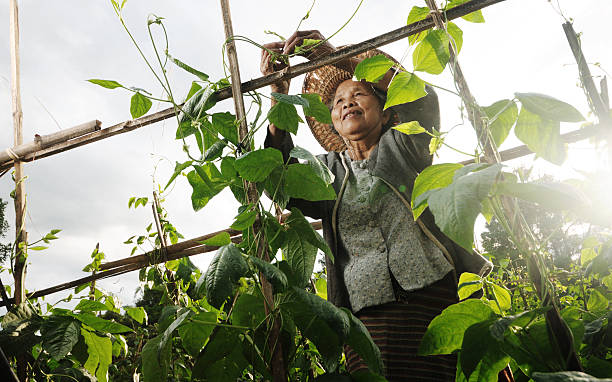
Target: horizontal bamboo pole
(571, 137)
(135, 263)
(293, 71)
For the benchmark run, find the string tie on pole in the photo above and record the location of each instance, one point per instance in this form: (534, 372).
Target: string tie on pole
(9, 151)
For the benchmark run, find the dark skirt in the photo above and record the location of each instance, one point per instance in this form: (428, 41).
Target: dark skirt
(398, 327)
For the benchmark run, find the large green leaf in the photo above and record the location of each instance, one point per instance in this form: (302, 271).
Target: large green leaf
(445, 332)
(372, 69)
(320, 321)
(505, 113)
(225, 124)
(244, 220)
(285, 117)
(221, 359)
(405, 87)
(548, 107)
(433, 177)
(196, 105)
(59, 335)
(321, 169)
(87, 305)
(417, 14)
(469, 283)
(224, 271)
(100, 324)
(138, 314)
(552, 196)
(499, 328)
(166, 336)
(139, 105)
(178, 168)
(303, 182)
(271, 272)
(249, 311)
(275, 184)
(456, 206)
(195, 331)
(156, 361)
(290, 99)
(597, 302)
(456, 36)
(316, 108)
(432, 54)
(100, 350)
(567, 376)
(359, 340)
(255, 166)
(206, 182)
(481, 358)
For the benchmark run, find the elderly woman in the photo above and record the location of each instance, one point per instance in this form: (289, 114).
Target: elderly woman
(395, 274)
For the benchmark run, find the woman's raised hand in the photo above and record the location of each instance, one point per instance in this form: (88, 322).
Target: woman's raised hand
(297, 39)
(267, 66)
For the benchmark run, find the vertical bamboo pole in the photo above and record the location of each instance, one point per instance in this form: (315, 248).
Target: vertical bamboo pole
(19, 269)
(279, 374)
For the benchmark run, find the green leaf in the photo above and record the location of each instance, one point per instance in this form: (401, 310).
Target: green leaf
(195, 332)
(244, 220)
(567, 376)
(433, 177)
(100, 350)
(405, 87)
(445, 332)
(409, 128)
(432, 54)
(481, 357)
(275, 184)
(320, 321)
(206, 182)
(285, 117)
(290, 99)
(225, 269)
(316, 108)
(177, 170)
(502, 296)
(218, 240)
(100, 324)
(59, 335)
(474, 17)
(187, 68)
(321, 169)
(552, 196)
(272, 273)
(548, 107)
(304, 183)
(417, 14)
(156, 361)
(139, 105)
(138, 314)
(522, 320)
(298, 224)
(469, 283)
(373, 69)
(222, 358)
(196, 105)
(501, 126)
(249, 311)
(359, 340)
(300, 255)
(456, 36)
(38, 248)
(307, 43)
(109, 84)
(225, 124)
(255, 166)
(542, 136)
(597, 302)
(90, 306)
(456, 206)
(195, 87)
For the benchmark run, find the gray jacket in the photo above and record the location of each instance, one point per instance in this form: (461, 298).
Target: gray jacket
(397, 159)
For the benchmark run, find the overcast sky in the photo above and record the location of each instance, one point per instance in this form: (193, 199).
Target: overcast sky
(85, 191)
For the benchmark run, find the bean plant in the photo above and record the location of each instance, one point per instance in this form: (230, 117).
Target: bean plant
(259, 312)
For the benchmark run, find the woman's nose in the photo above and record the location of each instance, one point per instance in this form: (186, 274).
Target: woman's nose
(348, 103)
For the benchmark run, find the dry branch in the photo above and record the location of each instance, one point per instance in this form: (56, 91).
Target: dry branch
(257, 83)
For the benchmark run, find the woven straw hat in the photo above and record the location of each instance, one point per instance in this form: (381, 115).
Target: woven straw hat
(326, 79)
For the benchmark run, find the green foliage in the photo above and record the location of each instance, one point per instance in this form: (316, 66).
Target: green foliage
(224, 271)
(502, 116)
(139, 105)
(285, 117)
(405, 87)
(255, 166)
(432, 54)
(373, 69)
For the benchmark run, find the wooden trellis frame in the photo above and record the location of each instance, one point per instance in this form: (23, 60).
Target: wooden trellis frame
(193, 246)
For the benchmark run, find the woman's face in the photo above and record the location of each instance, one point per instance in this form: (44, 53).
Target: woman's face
(357, 112)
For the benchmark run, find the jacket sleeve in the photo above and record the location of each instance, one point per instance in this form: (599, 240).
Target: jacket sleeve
(427, 112)
(315, 210)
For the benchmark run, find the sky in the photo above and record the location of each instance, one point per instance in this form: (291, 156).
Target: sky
(520, 48)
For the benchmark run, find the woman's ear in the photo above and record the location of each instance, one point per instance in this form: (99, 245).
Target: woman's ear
(386, 116)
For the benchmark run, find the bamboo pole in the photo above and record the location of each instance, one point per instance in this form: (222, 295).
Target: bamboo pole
(278, 369)
(291, 72)
(21, 236)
